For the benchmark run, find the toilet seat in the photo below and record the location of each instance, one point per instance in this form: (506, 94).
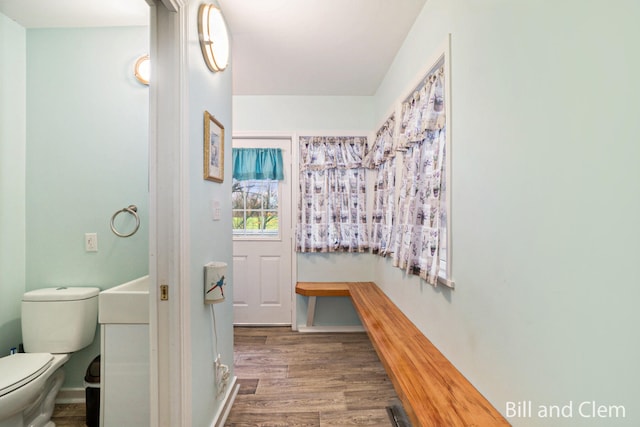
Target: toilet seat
(19, 369)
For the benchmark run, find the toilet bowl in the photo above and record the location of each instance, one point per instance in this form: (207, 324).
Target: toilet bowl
(55, 323)
(29, 383)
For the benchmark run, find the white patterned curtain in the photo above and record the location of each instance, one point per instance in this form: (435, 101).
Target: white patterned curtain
(416, 246)
(332, 205)
(382, 158)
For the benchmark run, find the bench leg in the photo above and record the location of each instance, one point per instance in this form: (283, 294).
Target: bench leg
(311, 310)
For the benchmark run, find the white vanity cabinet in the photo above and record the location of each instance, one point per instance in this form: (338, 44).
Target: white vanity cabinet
(124, 375)
(123, 314)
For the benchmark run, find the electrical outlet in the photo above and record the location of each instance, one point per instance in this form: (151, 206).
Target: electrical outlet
(221, 375)
(91, 242)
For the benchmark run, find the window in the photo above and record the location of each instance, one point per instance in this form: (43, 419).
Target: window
(254, 206)
(422, 240)
(332, 209)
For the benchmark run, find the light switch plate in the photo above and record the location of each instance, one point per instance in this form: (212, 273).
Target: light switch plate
(91, 242)
(216, 210)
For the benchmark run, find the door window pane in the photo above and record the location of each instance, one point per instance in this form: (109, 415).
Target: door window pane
(254, 206)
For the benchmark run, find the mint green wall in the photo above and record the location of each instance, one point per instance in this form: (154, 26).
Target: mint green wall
(87, 157)
(303, 115)
(546, 201)
(209, 240)
(335, 267)
(12, 179)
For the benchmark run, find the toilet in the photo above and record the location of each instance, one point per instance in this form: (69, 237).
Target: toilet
(55, 323)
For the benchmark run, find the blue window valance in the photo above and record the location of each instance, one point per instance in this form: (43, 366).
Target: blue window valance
(257, 163)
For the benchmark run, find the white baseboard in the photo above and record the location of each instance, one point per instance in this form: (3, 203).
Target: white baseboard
(71, 395)
(308, 329)
(229, 398)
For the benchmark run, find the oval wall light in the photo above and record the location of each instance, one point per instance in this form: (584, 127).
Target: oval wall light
(214, 39)
(142, 70)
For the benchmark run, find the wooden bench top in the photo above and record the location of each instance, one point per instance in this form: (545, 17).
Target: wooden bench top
(323, 289)
(433, 392)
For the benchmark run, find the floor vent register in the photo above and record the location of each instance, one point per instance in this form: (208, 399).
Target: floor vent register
(397, 415)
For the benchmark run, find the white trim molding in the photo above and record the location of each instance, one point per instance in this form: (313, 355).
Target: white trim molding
(230, 397)
(169, 323)
(330, 329)
(71, 395)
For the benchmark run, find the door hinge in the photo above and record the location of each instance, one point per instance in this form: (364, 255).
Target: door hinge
(164, 292)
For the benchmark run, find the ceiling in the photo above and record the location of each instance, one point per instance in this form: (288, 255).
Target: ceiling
(279, 47)
(76, 13)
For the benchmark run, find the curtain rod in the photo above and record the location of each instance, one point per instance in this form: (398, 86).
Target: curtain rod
(386, 124)
(434, 68)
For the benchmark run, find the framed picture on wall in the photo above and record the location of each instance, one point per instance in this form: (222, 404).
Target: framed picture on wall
(213, 149)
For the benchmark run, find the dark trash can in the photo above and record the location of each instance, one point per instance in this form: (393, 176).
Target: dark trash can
(92, 393)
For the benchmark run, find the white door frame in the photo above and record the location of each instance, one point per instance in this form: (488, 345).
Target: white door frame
(295, 191)
(169, 322)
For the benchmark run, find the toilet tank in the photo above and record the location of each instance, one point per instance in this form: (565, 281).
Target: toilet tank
(59, 320)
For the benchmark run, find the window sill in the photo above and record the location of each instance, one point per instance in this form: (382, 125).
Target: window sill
(442, 279)
(257, 238)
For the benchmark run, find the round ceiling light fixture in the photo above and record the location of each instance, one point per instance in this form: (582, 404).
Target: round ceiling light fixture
(214, 39)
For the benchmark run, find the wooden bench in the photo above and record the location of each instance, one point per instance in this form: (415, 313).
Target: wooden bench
(320, 289)
(432, 391)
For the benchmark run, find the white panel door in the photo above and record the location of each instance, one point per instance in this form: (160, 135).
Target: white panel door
(262, 251)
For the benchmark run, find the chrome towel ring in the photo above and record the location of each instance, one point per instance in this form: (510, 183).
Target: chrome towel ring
(133, 210)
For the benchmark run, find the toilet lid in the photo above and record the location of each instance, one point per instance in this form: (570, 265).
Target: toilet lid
(18, 369)
(61, 293)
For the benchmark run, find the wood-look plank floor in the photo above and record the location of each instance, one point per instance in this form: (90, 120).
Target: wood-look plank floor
(291, 379)
(69, 415)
